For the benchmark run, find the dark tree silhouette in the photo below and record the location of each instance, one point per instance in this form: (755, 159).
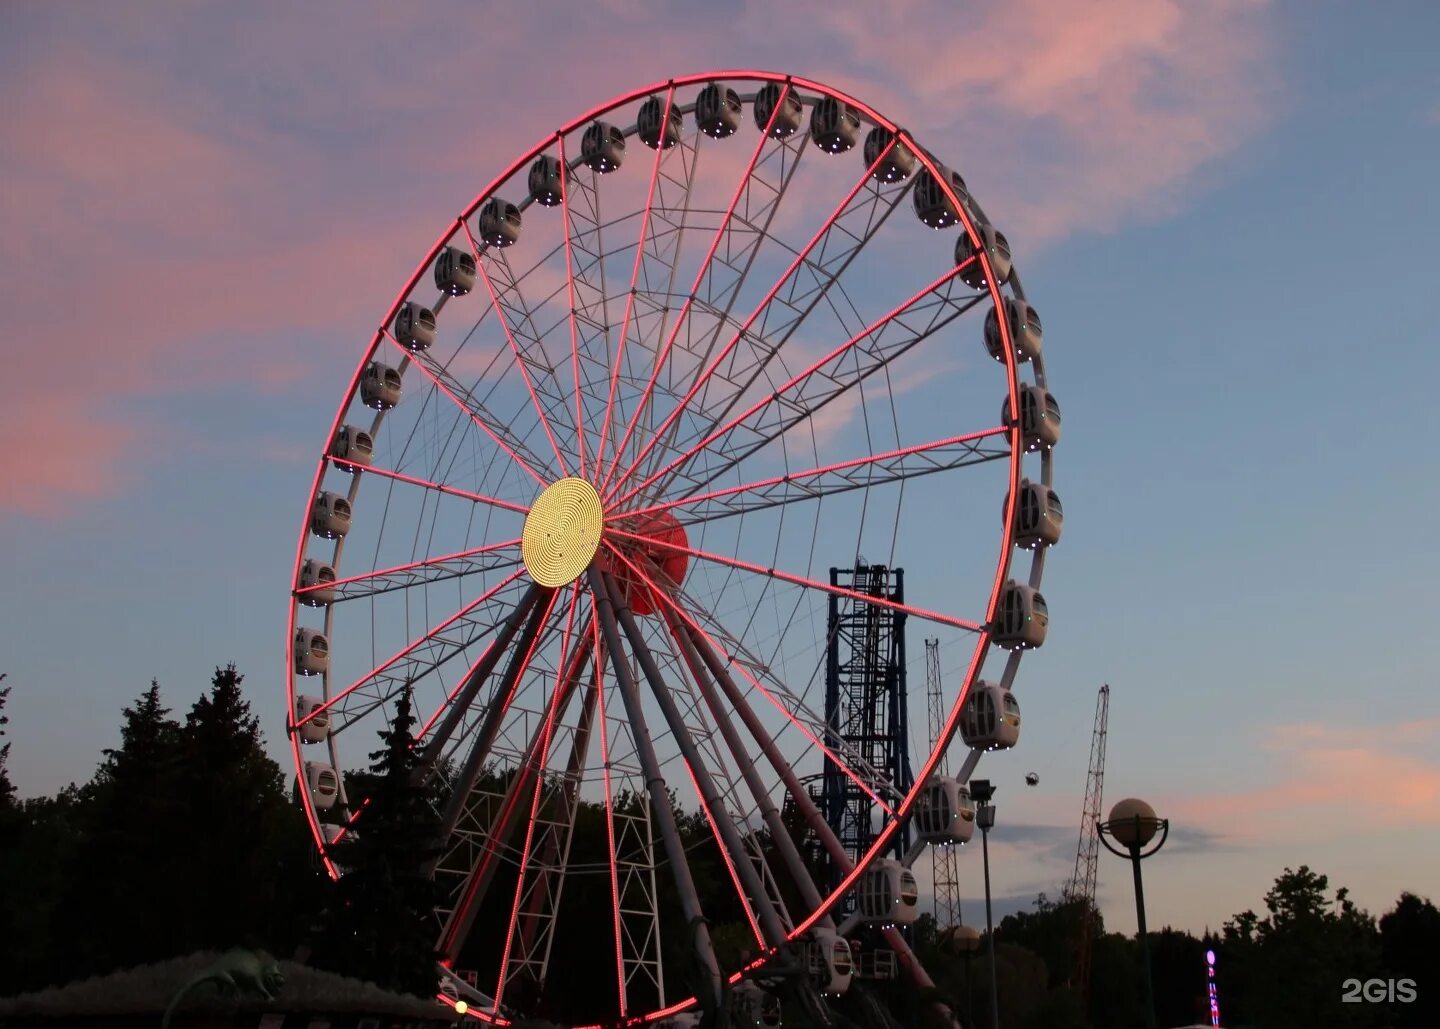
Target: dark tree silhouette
(1410, 948)
(378, 923)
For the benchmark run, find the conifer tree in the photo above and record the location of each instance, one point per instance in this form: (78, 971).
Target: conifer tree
(7, 789)
(379, 923)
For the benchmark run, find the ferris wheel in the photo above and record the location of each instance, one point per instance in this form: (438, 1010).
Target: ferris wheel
(698, 345)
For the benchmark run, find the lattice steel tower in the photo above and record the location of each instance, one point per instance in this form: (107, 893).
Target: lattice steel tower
(1081, 886)
(947, 885)
(865, 703)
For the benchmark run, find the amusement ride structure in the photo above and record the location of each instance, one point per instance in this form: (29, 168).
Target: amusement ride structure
(573, 500)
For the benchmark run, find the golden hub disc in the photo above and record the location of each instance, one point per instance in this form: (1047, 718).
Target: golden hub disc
(562, 532)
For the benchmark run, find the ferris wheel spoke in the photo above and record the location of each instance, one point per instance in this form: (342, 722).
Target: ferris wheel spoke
(719, 290)
(477, 844)
(565, 680)
(449, 491)
(485, 421)
(657, 543)
(798, 399)
(419, 573)
(823, 481)
(444, 650)
(655, 785)
(530, 361)
(733, 654)
(826, 256)
(483, 736)
(764, 921)
(645, 244)
(570, 282)
(799, 875)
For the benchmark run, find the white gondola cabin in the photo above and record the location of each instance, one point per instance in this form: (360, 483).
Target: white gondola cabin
(330, 516)
(380, 386)
(352, 448)
(312, 651)
(499, 222)
(414, 326)
(316, 583)
(1026, 332)
(1039, 518)
(990, 719)
(997, 249)
(1039, 418)
(932, 206)
(889, 893)
(602, 148)
(717, 111)
(1021, 619)
(828, 961)
(317, 728)
(546, 181)
(944, 812)
(834, 125)
(655, 129)
(455, 272)
(786, 120)
(896, 164)
(324, 784)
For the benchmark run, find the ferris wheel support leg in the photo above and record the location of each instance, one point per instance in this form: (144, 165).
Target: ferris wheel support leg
(813, 819)
(431, 755)
(770, 924)
(659, 796)
(494, 713)
(794, 864)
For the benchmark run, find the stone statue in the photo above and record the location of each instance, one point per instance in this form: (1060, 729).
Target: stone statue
(238, 973)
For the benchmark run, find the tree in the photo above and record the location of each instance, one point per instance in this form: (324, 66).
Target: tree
(378, 924)
(7, 789)
(1287, 969)
(236, 792)
(1410, 949)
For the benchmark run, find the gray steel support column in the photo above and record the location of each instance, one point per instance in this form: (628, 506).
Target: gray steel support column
(467, 693)
(794, 863)
(494, 713)
(807, 807)
(655, 789)
(770, 925)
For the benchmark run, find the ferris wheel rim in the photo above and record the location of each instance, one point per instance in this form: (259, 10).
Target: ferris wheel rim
(1017, 450)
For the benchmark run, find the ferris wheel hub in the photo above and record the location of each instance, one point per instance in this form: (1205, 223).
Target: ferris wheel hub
(562, 532)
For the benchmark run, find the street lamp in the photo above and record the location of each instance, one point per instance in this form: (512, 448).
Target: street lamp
(966, 940)
(981, 791)
(1133, 825)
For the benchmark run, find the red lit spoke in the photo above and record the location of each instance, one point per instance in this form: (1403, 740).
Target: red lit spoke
(520, 364)
(449, 491)
(822, 470)
(542, 758)
(655, 543)
(598, 645)
(479, 422)
(570, 286)
(429, 562)
(449, 943)
(729, 859)
(400, 655)
(838, 352)
(760, 309)
(720, 234)
(660, 152)
(805, 731)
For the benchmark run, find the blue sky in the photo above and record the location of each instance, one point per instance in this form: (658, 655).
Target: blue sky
(209, 211)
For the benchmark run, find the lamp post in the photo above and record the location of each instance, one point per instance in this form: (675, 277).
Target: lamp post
(981, 790)
(966, 939)
(1133, 825)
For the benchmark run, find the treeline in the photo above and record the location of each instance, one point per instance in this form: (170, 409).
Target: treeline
(1285, 969)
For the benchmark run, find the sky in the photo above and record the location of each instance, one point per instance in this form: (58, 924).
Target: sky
(1224, 210)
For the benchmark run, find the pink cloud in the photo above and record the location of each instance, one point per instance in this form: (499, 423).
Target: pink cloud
(174, 231)
(1371, 776)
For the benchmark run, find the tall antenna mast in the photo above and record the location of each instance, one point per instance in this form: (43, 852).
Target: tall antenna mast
(947, 887)
(1081, 886)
